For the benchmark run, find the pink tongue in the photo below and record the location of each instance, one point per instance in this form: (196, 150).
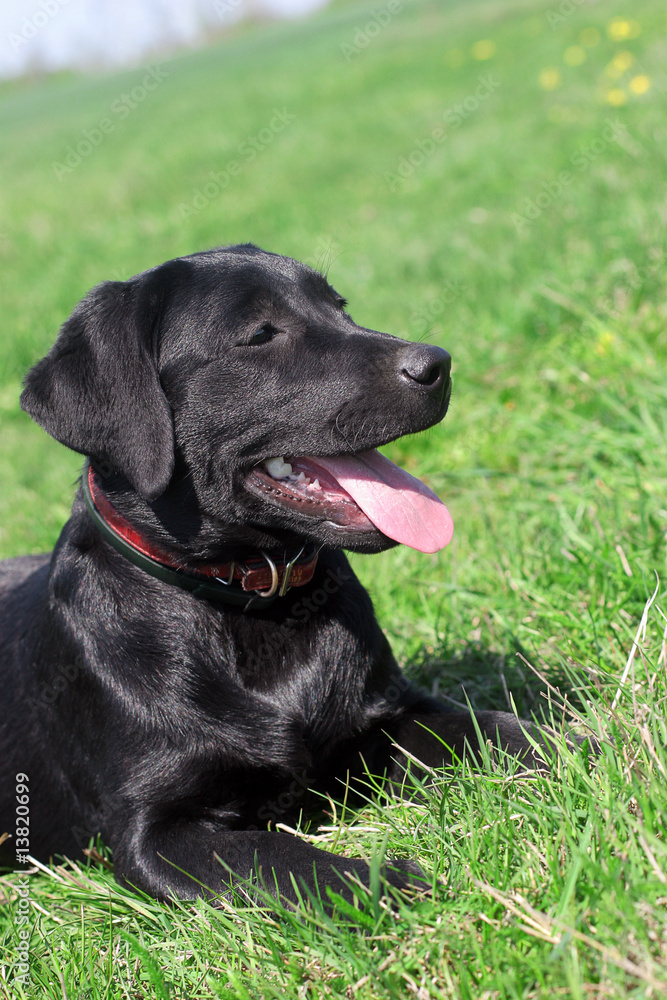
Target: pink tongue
(400, 506)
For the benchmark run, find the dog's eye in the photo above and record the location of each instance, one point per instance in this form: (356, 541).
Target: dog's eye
(263, 335)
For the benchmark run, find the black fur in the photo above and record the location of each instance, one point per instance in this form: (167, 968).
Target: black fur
(179, 728)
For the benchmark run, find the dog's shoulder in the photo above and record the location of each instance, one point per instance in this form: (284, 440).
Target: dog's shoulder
(23, 584)
(15, 572)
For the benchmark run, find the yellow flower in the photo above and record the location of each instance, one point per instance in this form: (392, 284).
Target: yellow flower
(604, 342)
(639, 84)
(617, 67)
(484, 49)
(623, 60)
(574, 56)
(589, 37)
(549, 78)
(619, 28)
(616, 97)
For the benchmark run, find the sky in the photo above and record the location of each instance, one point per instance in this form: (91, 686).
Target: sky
(99, 34)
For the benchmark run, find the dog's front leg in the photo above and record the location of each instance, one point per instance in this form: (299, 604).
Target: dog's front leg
(432, 734)
(185, 860)
(439, 737)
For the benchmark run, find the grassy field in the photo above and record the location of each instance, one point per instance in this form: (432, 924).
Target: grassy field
(490, 176)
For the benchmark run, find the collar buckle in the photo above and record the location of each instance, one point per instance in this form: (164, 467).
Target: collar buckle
(230, 579)
(275, 579)
(285, 586)
(202, 581)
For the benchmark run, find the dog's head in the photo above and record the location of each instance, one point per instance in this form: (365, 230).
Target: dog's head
(231, 389)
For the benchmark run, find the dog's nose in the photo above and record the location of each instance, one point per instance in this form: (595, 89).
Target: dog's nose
(429, 366)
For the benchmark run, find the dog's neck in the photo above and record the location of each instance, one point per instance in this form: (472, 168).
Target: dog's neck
(234, 581)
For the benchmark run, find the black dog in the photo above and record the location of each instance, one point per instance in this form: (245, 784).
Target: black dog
(163, 680)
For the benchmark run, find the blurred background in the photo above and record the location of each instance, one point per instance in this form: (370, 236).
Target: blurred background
(92, 34)
(486, 175)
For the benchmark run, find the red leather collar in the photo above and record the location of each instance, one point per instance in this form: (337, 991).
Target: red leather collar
(256, 573)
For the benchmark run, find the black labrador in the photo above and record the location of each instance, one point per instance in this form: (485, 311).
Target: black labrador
(197, 655)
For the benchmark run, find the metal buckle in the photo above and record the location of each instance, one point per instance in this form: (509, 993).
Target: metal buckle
(274, 578)
(230, 580)
(285, 586)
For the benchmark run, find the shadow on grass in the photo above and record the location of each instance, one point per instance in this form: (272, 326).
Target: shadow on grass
(487, 678)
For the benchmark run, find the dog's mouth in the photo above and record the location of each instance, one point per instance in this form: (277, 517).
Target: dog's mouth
(362, 493)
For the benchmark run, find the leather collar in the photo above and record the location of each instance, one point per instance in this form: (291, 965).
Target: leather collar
(256, 578)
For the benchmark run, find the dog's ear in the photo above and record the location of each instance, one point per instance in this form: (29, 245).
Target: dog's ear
(98, 390)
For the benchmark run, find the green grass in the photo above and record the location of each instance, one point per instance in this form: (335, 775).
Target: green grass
(553, 461)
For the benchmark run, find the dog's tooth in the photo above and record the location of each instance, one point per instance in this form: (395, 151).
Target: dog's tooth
(301, 478)
(278, 468)
(315, 485)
